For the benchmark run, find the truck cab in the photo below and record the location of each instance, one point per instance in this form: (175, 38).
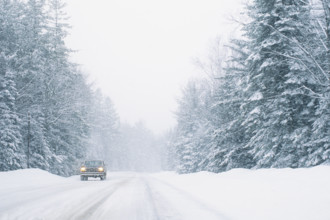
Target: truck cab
(93, 168)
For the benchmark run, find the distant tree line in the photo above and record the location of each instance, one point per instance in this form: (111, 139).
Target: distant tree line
(268, 101)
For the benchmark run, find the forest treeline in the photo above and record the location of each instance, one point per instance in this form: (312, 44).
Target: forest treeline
(51, 118)
(267, 102)
(45, 101)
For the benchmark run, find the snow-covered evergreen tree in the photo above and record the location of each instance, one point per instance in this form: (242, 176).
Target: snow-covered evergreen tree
(317, 57)
(270, 105)
(191, 141)
(283, 112)
(226, 115)
(104, 130)
(30, 66)
(11, 152)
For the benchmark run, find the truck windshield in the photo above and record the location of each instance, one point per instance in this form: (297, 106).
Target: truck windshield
(93, 163)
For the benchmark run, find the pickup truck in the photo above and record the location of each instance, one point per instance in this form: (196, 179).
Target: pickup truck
(93, 168)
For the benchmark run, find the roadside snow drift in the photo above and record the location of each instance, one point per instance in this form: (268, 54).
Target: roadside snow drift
(261, 194)
(302, 194)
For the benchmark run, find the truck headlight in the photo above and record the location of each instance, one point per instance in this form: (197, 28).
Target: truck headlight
(83, 169)
(100, 169)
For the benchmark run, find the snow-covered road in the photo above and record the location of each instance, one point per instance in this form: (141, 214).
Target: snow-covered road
(239, 194)
(123, 196)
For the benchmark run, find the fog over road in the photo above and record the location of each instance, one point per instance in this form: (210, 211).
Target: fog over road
(122, 196)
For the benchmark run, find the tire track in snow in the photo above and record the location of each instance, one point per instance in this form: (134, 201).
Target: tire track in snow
(90, 206)
(151, 200)
(163, 207)
(192, 198)
(41, 192)
(50, 206)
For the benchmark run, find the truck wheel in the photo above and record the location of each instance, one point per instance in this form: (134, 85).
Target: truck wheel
(82, 178)
(102, 178)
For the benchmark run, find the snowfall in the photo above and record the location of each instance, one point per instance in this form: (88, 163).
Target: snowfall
(237, 194)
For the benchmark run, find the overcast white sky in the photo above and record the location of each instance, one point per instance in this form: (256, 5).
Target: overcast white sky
(140, 52)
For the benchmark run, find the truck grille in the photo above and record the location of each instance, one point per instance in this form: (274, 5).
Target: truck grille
(91, 170)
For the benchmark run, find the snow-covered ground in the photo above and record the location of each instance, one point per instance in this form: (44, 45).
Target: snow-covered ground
(238, 194)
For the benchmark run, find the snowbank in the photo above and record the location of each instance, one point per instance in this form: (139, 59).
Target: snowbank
(29, 177)
(260, 194)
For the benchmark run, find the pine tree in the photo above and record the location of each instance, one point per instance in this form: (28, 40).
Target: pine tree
(29, 65)
(191, 142)
(318, 60)
(11, 153)
(104, 130)
(64, 90)
(227, 117)
(276, 76)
